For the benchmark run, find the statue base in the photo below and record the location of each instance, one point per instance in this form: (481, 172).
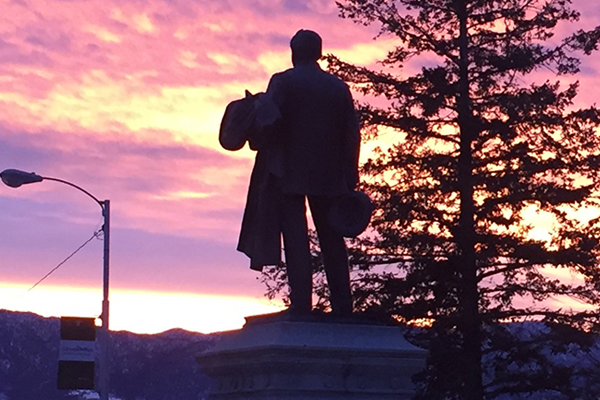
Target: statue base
(288, 357)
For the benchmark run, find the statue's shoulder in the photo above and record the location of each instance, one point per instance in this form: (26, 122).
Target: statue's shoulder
(283, 74)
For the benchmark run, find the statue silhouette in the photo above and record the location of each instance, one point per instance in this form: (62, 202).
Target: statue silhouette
(310, 152)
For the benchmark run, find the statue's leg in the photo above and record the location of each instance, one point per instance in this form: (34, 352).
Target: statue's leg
(297, 252)
(335, 256)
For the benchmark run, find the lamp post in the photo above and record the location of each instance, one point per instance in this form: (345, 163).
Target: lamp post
(15, 178)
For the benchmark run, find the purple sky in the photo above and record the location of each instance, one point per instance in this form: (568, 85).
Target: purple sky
(124, 98)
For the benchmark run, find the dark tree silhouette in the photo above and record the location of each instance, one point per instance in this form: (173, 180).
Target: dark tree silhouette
(483, 138)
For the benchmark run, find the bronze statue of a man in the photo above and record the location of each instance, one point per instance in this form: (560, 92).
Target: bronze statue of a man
(311, 153)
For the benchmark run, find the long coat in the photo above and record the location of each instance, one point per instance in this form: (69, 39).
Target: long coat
(260, 235)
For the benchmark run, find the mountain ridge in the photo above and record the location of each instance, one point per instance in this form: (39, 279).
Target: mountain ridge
(158, 366)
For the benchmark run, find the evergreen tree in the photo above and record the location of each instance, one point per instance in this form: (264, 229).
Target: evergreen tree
(483, 140)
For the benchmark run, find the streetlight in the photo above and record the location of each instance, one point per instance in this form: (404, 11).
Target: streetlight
(15, 178)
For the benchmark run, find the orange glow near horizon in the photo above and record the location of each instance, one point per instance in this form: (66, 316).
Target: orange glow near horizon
(139, 311)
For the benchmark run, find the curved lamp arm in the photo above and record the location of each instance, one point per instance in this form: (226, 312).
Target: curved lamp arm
(100, 203)
(15, 178)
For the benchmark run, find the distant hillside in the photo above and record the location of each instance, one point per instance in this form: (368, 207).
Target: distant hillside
(143, 367)
(164, 367)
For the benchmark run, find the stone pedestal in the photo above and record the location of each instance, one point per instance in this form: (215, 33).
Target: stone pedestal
(283, 357)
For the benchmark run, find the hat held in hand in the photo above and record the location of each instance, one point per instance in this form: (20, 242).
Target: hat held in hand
(350, 215)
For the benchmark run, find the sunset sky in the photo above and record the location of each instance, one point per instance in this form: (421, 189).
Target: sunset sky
(124, 98)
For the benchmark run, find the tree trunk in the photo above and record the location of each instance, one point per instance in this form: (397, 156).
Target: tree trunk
(470, 324)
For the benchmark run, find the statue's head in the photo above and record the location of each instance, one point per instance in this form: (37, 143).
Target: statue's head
(306, 47)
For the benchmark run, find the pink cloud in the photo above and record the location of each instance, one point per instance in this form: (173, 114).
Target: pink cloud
(135, 36)
(187, 190)
(11, 54)
(124, 98)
